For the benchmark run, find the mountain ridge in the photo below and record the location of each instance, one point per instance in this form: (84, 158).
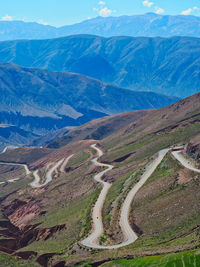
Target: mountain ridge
(162, 119)
(149, 24)
(168, 66)
(41, 101)
(12, 135)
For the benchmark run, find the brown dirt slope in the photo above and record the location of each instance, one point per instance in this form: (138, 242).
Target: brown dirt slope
(98, 129)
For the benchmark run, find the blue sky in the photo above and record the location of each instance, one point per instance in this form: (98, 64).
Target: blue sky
(64, 12)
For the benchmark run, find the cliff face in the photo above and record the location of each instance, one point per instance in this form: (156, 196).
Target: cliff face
(16, 232)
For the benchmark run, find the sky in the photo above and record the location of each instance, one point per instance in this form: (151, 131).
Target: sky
(64, 12)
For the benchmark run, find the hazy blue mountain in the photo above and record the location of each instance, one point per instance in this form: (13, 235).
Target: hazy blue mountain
(168, 66)
(10, 134)
(149, 25)
(49, 137)
(41, 101)
(13, 30)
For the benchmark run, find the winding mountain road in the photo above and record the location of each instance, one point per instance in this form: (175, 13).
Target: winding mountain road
(186, 163)
(63, 166)
(27, 171)
(49, 176)
(129, 235)
(36, 183)
(92, 239)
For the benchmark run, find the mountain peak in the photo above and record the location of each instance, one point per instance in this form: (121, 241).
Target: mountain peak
(135, 25)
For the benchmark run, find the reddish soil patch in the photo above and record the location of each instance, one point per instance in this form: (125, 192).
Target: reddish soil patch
(185, 176)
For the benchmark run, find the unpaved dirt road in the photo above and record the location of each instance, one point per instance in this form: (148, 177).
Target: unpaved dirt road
(130, 236)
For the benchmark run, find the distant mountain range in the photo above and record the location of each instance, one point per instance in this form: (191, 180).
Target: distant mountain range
(149, 25)
(168, 66)
(41, 101)
(49, 137)
(10, 134)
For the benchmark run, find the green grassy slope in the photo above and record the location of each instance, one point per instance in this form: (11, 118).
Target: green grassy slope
(187, 258)
(11, 261)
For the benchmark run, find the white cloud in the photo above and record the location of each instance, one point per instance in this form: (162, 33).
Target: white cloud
(7, 18)
(147, 3)
(102, 3)
(159, 10)
(43, 22)
(105, 12)
(189, 10)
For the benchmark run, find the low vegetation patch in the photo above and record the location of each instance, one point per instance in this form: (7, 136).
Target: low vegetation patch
(186, 258)
(10, 261)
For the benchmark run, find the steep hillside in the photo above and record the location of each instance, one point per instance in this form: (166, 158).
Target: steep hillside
(173, 119)
(97, 129)
(119, 128)
(167, 66)
(40, 101)
(149, 24)
(48, 223)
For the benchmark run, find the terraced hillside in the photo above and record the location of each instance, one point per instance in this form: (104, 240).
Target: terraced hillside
(49, 222)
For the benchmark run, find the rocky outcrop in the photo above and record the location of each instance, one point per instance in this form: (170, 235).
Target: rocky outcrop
(15, 239)
(44, 259)
(193, 150)
(34, 233)
(20, 212)
(10, 209)
(16, 233)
